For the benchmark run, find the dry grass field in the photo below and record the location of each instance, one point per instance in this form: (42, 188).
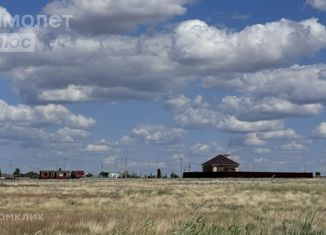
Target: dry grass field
(165, 207)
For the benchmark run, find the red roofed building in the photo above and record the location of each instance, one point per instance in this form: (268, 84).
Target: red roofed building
(220, 163)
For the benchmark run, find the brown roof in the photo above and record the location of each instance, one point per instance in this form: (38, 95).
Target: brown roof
(221, 160)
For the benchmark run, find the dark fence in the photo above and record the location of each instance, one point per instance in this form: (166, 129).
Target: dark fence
(247, 174)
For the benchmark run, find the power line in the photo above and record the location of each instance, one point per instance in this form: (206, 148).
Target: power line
(17, 160)
(146, 163)
(80, 160)
(64, 164)
(126, 165)
(181, 167)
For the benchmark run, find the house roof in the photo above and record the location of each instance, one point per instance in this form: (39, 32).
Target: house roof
(221, 159)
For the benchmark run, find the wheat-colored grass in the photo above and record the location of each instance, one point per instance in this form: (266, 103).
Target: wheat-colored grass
(296, 206)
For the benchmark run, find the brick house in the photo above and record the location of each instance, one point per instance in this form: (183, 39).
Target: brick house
(220, 163)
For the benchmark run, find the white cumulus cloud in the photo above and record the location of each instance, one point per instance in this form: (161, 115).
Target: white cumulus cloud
(280, 134)
(157, 134)
(318, 4)
(192, 113)
(320, 130)
(252, 108)
(232, 124)
(293, 146)
(42, 116)
(256, 47)
(98, 148)
(111, 16)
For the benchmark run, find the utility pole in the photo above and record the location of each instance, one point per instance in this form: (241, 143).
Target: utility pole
(126, 167)
(102, 167)
(181, 173)
(64, 164)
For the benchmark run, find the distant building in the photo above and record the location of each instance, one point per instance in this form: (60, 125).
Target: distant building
(114, 175)
(7, 177)
(77, 174)
(55, 174)
(221, 163)
(104, 174)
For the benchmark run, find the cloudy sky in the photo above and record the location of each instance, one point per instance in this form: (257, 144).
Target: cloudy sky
(156, 81)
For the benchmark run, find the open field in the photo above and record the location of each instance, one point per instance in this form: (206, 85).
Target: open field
(165, 207)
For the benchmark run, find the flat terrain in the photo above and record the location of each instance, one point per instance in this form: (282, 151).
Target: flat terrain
(293, 206)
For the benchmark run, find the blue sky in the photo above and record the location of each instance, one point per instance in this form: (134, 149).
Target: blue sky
(157, 81)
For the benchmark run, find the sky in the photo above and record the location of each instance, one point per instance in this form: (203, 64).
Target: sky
(158, 81)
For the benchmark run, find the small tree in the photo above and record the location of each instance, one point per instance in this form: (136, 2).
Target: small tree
(31, 175)
(174, 175)
(17, 172)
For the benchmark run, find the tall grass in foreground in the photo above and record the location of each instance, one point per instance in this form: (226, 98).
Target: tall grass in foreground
(197, 226)
(179, 207)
